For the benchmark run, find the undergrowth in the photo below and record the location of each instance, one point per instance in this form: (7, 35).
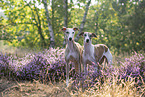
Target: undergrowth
(44, 73)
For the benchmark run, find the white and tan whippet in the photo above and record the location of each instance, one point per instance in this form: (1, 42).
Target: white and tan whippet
(73, 52)
(94, 53)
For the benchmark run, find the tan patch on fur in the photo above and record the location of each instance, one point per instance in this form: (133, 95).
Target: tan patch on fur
(99, 50)
(106, 48)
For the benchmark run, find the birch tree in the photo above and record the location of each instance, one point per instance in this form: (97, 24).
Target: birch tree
(83, 21)
(65, 19)
(52, 40)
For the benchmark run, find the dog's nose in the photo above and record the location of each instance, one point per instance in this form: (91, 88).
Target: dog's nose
(87, 40)
(70, 39)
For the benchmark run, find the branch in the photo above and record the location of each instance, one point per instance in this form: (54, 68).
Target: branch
(39, 22)
(33, 14)
(83, 21)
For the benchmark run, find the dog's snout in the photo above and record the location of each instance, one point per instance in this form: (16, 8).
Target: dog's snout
(87, 40)
(70, 39)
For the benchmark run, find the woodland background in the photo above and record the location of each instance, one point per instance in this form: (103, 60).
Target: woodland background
(30, 67)
(120, 24)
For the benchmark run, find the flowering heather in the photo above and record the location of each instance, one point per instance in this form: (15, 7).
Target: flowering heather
(4, 65)
(6, 69)
(133, 66)
(49, 65)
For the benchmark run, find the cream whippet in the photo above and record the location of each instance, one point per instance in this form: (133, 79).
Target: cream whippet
(94, 53)
(73, 52)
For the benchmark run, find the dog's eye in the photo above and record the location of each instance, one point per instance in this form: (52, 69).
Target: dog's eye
(73, 32)
(85, 35)
(67, 32)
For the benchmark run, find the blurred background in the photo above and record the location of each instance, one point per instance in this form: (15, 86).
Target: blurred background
(120, 24)
(29, 27)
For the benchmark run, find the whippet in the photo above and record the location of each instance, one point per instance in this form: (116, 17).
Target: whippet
(94, 53)
(73, 52)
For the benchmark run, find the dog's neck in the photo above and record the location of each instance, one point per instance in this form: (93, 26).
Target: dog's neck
(71, 45)
(88, 47)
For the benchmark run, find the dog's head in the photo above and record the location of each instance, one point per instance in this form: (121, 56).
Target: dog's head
(87, 36)
(69, 32)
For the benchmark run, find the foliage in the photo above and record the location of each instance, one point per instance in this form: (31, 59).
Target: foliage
(113, 24)
(118, 23)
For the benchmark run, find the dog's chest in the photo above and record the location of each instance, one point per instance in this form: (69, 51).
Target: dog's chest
(72, 55)
(88, 54)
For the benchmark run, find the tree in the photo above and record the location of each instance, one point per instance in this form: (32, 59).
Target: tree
(136, 26)
(52, 42)
(38, 22)
(23, 20)
(65, 19)
(83, 21)
(118, 23)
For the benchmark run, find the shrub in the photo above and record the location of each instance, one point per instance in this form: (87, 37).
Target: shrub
(133, 66)
(6, 68)
(49, 65)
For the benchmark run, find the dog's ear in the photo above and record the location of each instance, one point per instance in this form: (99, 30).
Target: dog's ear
(93, 35)
(81, 34)
(75, 28)
(63, 29)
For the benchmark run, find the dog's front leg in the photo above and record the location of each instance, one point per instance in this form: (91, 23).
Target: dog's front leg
(67, 73)
(85, 69)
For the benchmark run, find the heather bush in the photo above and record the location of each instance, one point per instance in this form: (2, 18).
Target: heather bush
(6, 69)
(133, 66)
(49, 65)
(45, 65)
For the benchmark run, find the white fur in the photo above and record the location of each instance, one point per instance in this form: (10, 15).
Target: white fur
(72, 52)
(71, 34)
(108, 55)
(88, 54)
(89, 50)
(72, 55)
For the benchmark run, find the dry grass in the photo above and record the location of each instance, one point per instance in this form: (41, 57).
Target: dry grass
(20, 52)
(37, 89)
(114, 88)
(123, 89)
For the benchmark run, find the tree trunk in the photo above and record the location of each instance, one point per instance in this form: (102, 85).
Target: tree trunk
(41, 35)
(83, 21)
(52, 19)
(52, 42)
(96, 22)
(65, 19)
